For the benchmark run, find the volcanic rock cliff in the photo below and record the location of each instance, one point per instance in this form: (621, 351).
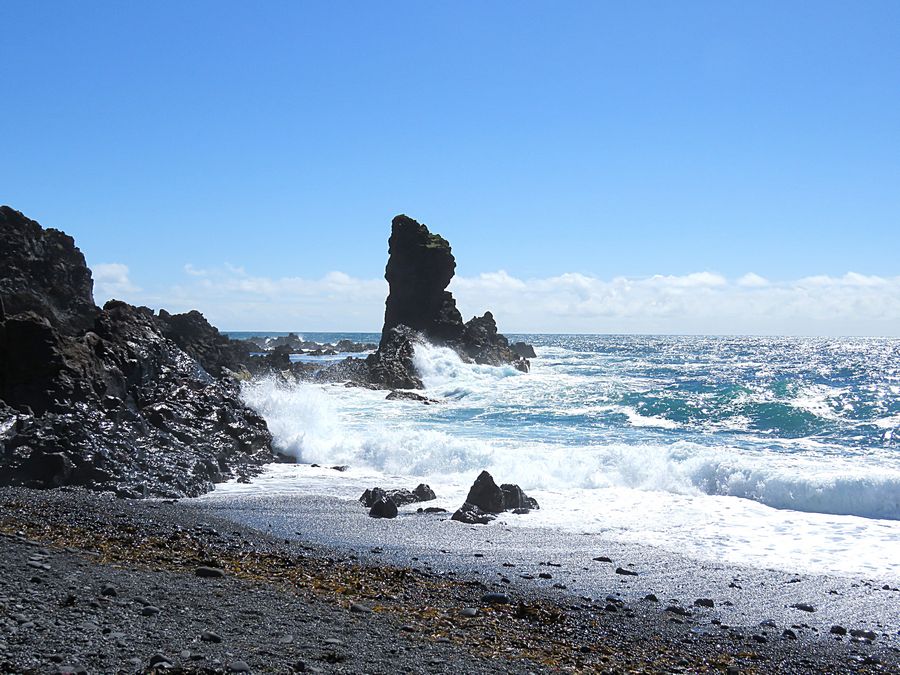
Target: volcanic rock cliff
(419, 307)
(107, 398)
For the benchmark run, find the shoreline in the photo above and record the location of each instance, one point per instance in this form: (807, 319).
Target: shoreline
(414, 601)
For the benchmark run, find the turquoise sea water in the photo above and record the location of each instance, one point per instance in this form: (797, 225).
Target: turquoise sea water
(679, 440)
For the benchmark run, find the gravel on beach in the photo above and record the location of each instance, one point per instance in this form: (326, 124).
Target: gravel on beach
(94, 584)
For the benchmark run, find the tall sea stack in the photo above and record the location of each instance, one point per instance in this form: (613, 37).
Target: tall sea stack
(419, 307)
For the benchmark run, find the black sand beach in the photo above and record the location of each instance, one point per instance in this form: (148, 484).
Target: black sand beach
(93, 584)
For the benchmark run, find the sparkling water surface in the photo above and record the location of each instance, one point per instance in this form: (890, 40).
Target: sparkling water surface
(773, 451)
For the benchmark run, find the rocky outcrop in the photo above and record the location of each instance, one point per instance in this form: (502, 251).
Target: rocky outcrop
(392, 365)
(483, 344)
(419, 269)
(203, 341)
(102, 398)
(42, 271)
(419, 307)
(486, 499)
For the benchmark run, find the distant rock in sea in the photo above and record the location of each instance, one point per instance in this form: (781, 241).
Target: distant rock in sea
(114, 399)
(418, 307)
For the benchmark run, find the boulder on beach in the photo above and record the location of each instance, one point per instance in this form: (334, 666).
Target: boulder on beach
(486, 494)
(400, 497)
(472, 515)
(514, 498)
(486, 498)
(383, 508)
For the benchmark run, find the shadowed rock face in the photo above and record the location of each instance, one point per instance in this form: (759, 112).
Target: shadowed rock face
(203, 341)
(102, 398)
(42, 271)
(418, 307)
(418, 272)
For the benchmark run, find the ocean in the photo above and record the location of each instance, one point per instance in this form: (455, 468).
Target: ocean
(773, 452)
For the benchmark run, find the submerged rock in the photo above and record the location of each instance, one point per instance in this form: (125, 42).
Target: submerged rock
(409, 396)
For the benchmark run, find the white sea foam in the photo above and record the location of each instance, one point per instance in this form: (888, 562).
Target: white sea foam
(755, 502)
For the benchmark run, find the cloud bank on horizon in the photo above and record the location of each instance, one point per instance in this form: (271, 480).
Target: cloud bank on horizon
(698, 303)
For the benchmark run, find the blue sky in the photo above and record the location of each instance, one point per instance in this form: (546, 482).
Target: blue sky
(242, 157)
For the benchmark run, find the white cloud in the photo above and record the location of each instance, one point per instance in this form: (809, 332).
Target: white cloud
(752, 280)
(702, 302)
(111, 281)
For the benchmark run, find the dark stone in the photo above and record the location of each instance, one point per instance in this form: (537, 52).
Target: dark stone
(863, 634)
(383, 508)
(625, 572)
(409, 396)
(419, 269)
(526, 351)
(424, 493)
(838, 630)
(392, 365)
(704, 602)
(354, 371)
(472, 515)
(788, 634)
(515, 498)
(486, 494)
(370, 496)
(804, 607)
(483, 344)
(209, 636)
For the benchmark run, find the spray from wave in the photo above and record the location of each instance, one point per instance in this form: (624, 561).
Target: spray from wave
(335, 425)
